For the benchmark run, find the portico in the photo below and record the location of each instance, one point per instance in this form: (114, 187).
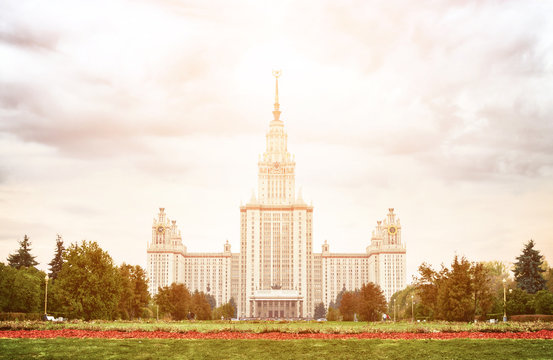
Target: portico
(276, 304)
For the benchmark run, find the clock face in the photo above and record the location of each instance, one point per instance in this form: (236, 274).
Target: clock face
(276, 169)
(160, 229)
(392, 230)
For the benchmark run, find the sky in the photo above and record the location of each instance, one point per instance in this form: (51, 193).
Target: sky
(442, 110)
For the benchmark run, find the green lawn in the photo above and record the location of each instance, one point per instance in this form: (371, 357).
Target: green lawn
(267, 349)
(294, 327)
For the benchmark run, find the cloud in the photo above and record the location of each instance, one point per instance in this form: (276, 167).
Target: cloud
(26, 39)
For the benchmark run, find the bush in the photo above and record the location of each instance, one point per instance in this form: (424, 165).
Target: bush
(543, 302)
(526, 318)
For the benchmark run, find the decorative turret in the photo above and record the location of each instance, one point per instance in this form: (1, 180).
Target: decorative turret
(325, 248)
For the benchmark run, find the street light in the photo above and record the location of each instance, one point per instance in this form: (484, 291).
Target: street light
(45, 295)
(504, 300)
(394, 305)
(412, 308)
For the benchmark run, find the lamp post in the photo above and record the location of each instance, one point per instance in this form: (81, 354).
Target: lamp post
(504, 300)
(46, 295)
(412, 308)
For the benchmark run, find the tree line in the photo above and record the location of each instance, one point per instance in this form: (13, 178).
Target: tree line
(84, 283)
(475, 290)
(365, 304)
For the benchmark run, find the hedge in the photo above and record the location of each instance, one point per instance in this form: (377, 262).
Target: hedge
(17, 316)
(537, 317)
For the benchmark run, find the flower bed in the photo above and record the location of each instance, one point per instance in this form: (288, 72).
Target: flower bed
(229, 335)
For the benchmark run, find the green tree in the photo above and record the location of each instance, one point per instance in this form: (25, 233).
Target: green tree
(21, 290)
(497, 272)
(426, 285)
(6, 285)
(23, 257)
(320, 311)
(348, 305)
(200, 306)
(518, 302)
(226, 311)
(455, 301)
(401, 300)
(482, 290)
(543, 302)
(57, 261)
(371, 302)
(233, 304)
(333, 314)
(134, 291)
(528, 269)
(549, 279)
(88, 285)
(457, 294)
(174, 300)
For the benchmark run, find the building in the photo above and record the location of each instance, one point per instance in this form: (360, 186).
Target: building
(276, 274)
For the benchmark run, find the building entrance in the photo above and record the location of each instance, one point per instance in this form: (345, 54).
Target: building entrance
(277, 304)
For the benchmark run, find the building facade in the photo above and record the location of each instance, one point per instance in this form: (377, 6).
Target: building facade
(275, 274)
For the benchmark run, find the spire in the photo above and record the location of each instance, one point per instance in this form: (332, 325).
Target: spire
(276, 111)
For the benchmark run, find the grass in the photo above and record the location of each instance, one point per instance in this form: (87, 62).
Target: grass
(269, 326)
(256, 349)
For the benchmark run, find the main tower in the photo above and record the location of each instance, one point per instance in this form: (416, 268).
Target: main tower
(276, 249)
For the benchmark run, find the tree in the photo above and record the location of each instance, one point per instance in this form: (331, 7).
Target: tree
(338, 301)
(233, 304)
(226, 311)
(348, 305)
(427, 288)
(543, 302)
(519, 302)
(528, 269)
(320, 311)
(401, 301)
(57, 261)
(371, 302)
(482, 290)
(200, 306)
(174, 300)
(212, 301)
(333, 314)
(88, 285)
(23, 257)
(21, 290)
(455, 293)
(134, 291)
(549, 279)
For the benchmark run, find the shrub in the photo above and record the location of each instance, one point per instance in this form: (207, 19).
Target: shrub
(526, 318)
(18, 316)
(543, 302)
